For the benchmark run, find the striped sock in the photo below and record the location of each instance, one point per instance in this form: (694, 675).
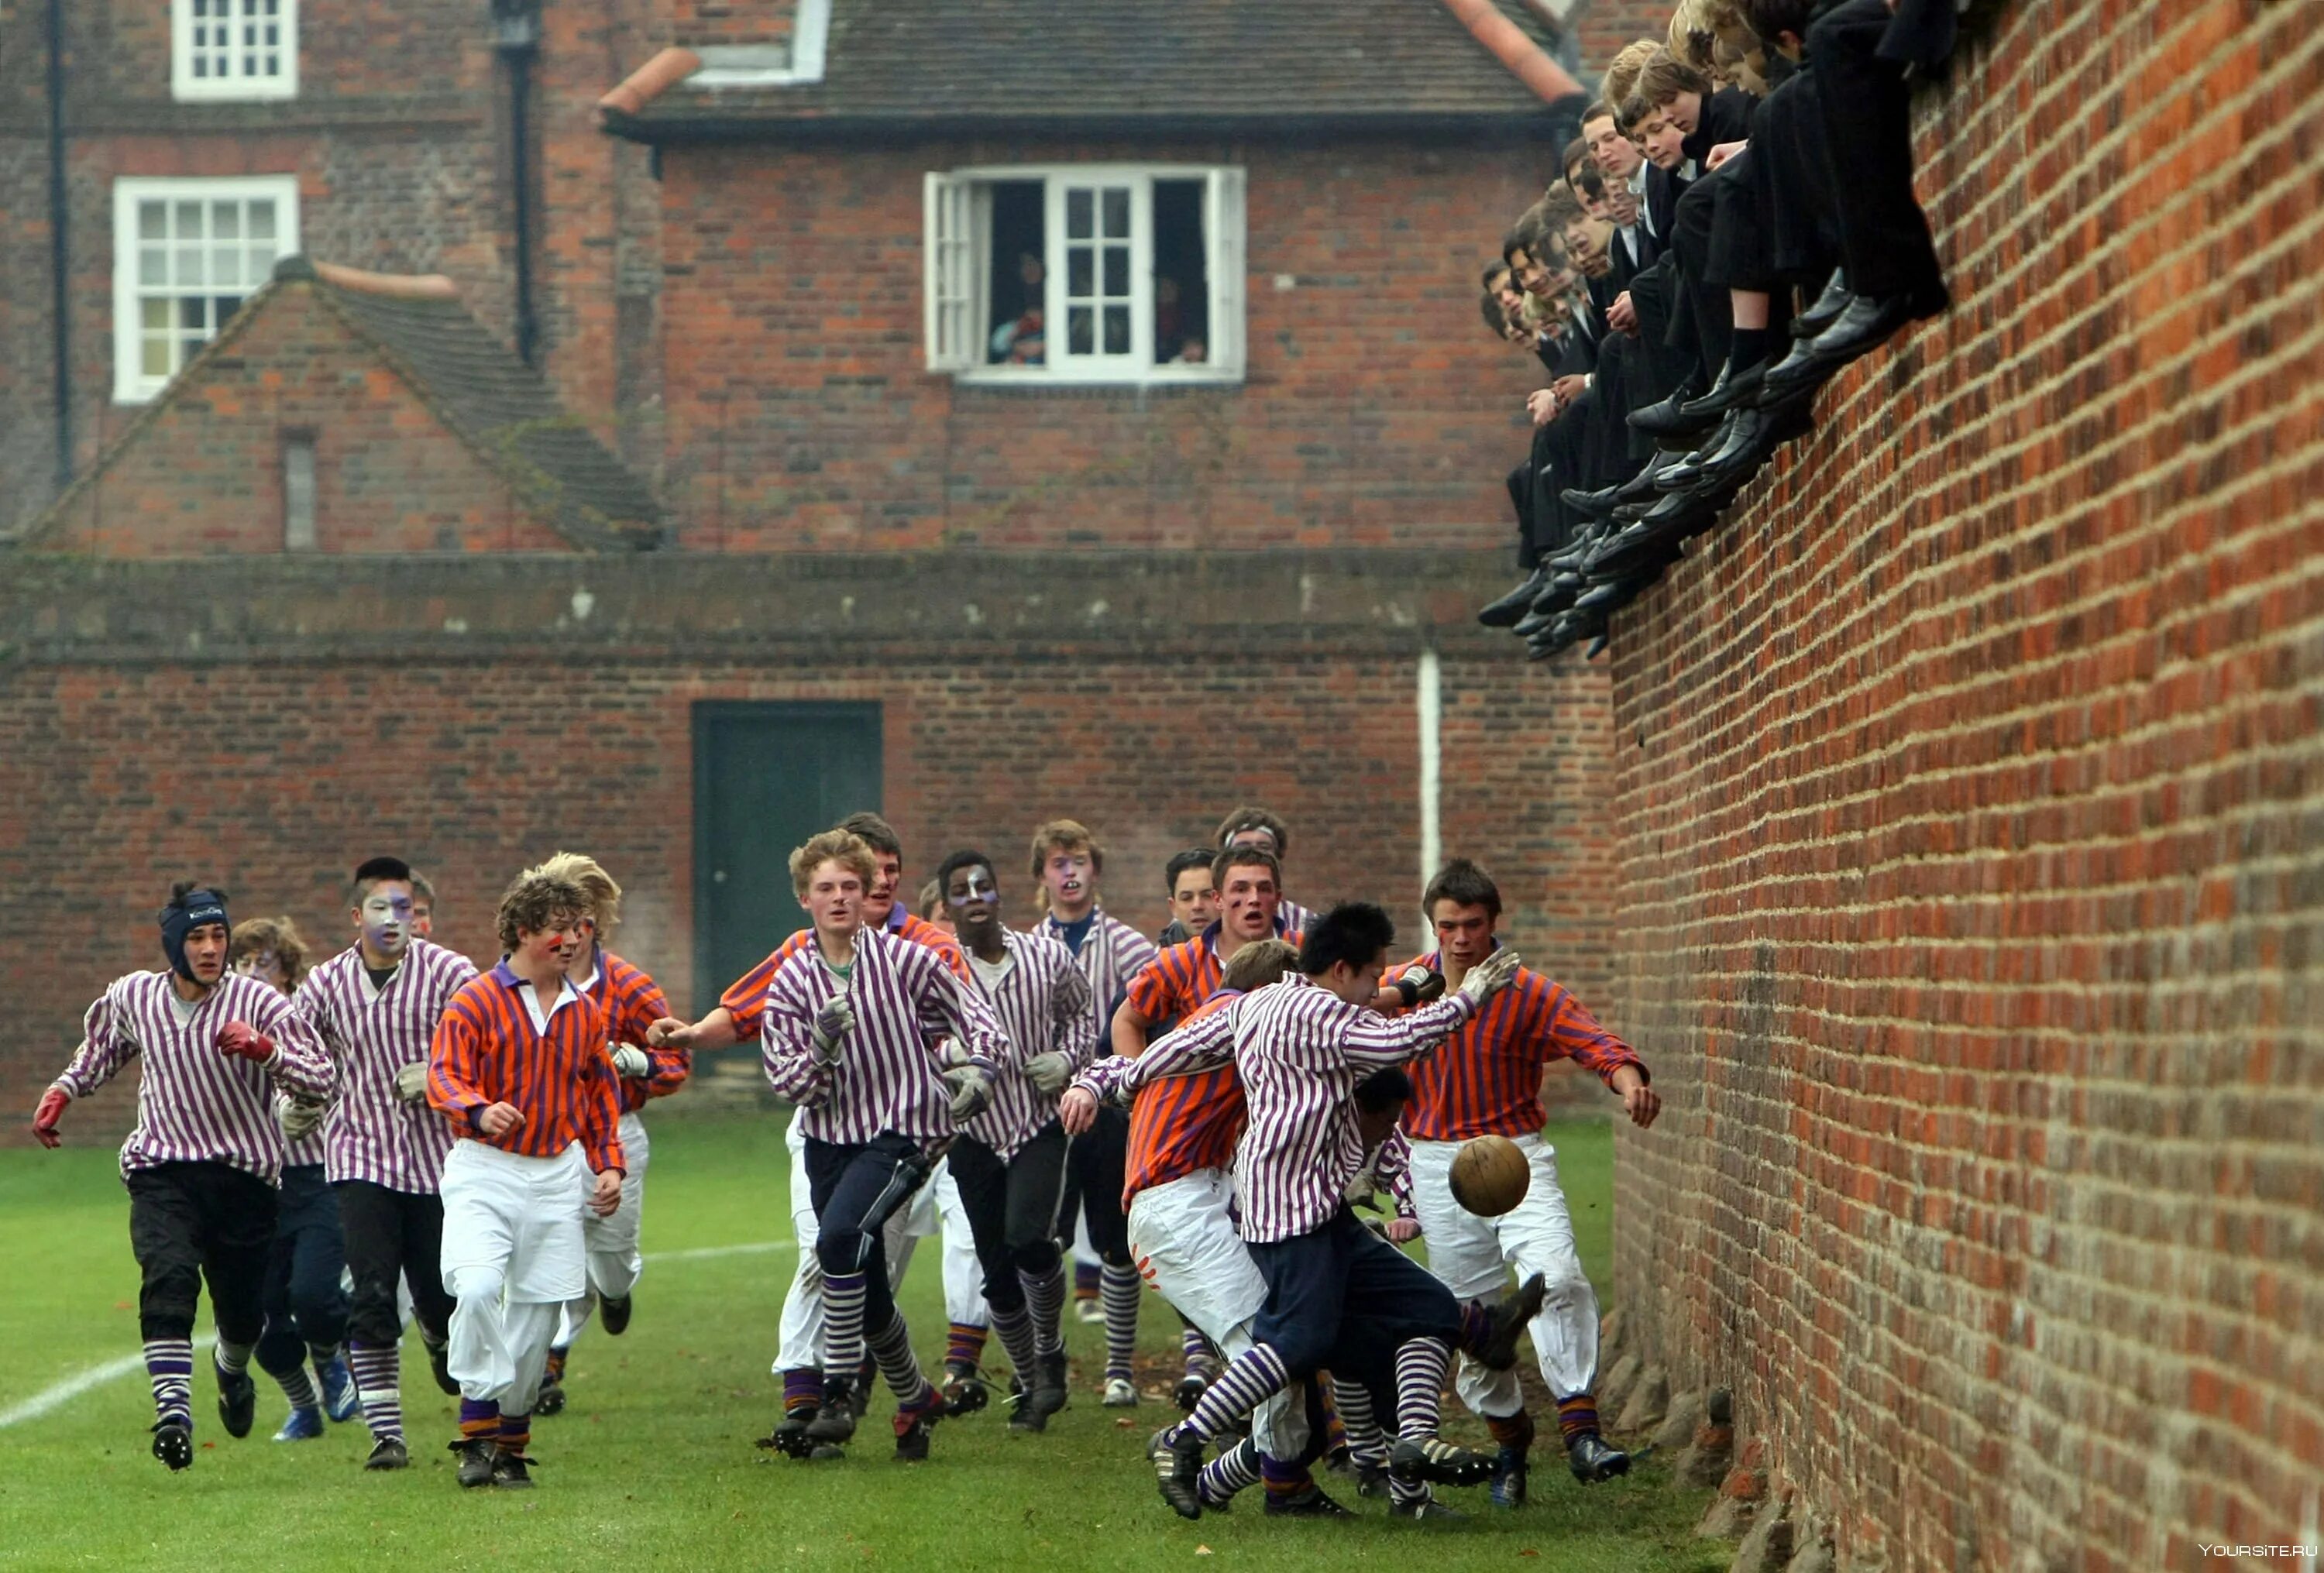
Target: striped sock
(516, 1433)
(1353, 1401)
(1409, 1493)
(170, 1366)
(322, 1354)
(1420, 1367)
(1202, 1359)
(1476, 1326)
(965, 1345)
(553, 1369)
(842, 1325)
(1120, 1287)
(891, 1345)
(1016, 1329)
(1044, 1301)
(1085, 1280)
(1283, 1480)
(1576, 1415)
(296, 1387)
(1514, 1431)
(479, 1417)
(1236, 1469)
(1249, 1380)
(1335, 1427)
(379, 1384)
(234, 1359)
(802, 1389)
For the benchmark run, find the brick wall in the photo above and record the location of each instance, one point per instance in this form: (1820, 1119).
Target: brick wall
(271, 720)
(1376, 409)
(1968, 798)
(1601, 27)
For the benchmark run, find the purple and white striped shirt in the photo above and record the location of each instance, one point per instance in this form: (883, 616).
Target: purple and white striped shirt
(905, 997)
(195, 1103)
(1301, 1050)
(1113, 954)
(1043, 1005)
(371, 1034)
(1203, 1041)
(1296, 919)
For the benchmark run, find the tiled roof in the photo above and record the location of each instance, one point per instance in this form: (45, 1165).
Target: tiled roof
(898, 63)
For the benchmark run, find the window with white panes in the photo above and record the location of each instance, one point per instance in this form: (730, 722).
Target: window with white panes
(234, 49)
(186, 254)
(1087, 273)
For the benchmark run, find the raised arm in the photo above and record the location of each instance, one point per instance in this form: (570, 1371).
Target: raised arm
(1203, 1041)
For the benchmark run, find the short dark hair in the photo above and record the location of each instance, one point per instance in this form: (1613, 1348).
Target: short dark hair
(1464, 884)
(533, 901)
(1496, 319)
(1577, 151)
(185, 888)
(966, 858)
(873, 832)
(371, 871)
(1191, 857)
(1492, 271)
(1665, 79)
(1383, 1089)
(1596, 109)
(1771, 18)
(1591, 185)
(1250, 817)
(1355, 932)
(1245, 857)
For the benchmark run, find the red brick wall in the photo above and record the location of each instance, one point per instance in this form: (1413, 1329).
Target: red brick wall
(1376, 409)
(1971, 893)
(205, 475)
(1601, 27)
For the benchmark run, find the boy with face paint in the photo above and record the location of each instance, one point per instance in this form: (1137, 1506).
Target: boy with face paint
(633, 1002)
(1009, 1163)
(375, 1006)
(518, 1066)
(204, 1157)
(1068, 861)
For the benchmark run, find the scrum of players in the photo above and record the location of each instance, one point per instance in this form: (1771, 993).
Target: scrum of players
(394, 1136)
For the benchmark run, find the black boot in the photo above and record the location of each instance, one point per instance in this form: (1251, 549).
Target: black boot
(1504, 612)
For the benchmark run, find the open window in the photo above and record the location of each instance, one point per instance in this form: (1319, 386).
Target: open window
(1087, 273)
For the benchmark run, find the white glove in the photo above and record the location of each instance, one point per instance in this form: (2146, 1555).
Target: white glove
(411, 1081)
(834, 1022)
(299, 1117)
(629, 1060)
(1049, 1072)
(1489, 976)
(970, 1093)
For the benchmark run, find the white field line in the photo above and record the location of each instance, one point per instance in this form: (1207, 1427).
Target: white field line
(50, 1399)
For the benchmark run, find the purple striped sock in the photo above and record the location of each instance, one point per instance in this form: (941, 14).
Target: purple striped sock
(1202, 1359)
(1284, 1478)
(802, 1388)
(1249, 1380)
(479, 1417)
(170, 1366)
(296, 1387)
(891, 1345)
(1119, 1288)
(842, 1325)
(1045, 1303)
(1420, 1367)
(1236, 1469)
(1015, 1328)
(1354, 1403)
(379, 1384)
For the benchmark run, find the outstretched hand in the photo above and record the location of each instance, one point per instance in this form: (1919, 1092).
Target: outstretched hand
(1489, 976)
(45, 1117)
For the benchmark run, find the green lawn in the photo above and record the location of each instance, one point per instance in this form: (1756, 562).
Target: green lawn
(651, 1466)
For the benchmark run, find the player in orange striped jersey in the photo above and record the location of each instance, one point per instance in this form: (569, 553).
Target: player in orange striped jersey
(1250, 884)
(1485, 1080)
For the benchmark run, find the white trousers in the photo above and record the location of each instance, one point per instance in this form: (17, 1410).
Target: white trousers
(1188, 1250)
(1473, 1257)
(963, 1274)
(801, 1344)
(613, 1261)
(512, 1254)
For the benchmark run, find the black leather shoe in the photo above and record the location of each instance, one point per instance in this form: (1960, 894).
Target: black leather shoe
(1560, 595)
(1827, 308)
(1640, 487)
(1536, 623)
(1591, 1460)
(614, 1314)
(1597, 647)
(1733, 388)
(1504, 612)
(1682, 474)
(1665, 421)
(1797, 375)
(1863, 325)
(238, 1399)
(1598, 504)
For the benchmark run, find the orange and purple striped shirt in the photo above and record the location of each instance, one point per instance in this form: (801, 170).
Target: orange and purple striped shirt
(746, 1001)
(1485, 1079)
(632, 1001)
(560, 1077)
(1174, 985)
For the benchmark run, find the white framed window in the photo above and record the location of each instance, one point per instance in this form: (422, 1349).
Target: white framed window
(1085, 273)
(186, 254)
(234, 49)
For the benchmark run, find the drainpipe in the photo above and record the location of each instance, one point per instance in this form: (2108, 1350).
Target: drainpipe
(59, 245)
(517, 25)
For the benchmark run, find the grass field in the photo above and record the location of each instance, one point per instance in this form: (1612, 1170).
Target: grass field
(651, 1466)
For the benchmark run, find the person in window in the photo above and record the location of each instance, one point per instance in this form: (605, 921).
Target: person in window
(1019, 341)
(1192, 351)
(1170, 336)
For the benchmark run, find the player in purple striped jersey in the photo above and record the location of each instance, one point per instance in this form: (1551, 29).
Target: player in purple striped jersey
(1010, 1161)
(206, 1155)
(376, 1005)
(1301, 1049)
(850, 1019)
(1069, 862)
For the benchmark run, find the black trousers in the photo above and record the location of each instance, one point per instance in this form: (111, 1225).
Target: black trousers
(1866, 108)
(1093, 1174)
(1792, 174)
(1341, 1290)
(856, 1188)
(1012, 1209)
(194, 1222)
(305, 1306)
(392, 1234)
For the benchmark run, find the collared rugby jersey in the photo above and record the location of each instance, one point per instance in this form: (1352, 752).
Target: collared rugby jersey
(560, 1077)
(371, 1032)
(1486, 1079)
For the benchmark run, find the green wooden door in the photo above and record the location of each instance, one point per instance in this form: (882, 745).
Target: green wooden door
(766, 776)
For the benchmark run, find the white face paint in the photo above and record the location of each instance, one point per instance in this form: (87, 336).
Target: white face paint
(386, 914)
